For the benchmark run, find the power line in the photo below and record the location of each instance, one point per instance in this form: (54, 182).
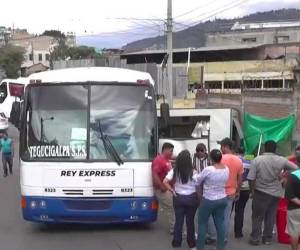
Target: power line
(194, 9)
(138, 19)
(219, 11)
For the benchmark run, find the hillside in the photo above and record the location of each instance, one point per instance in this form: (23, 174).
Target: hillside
(195, 36)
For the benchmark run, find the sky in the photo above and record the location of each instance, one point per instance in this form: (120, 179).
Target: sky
(114, 19)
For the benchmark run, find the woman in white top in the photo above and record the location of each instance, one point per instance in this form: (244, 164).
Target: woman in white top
(214, 201)
(180, 182)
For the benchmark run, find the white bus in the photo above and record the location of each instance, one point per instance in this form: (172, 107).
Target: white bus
(87, 139)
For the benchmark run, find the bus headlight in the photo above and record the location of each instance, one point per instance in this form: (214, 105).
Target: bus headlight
(144, 205)
(43, 204)
(133, 205)
(33, 204)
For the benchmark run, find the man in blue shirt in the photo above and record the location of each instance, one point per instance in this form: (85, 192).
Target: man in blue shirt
(6, 145)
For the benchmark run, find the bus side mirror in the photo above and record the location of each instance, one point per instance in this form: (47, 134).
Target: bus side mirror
(165, 114)
(15, 114)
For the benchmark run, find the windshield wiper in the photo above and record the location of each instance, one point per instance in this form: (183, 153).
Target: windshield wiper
(109, 147)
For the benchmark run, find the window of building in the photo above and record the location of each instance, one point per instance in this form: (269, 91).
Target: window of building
(273, 84)
(47, 57)
(40, 57)
(281, 39)
(249, 40)
(30, 57)
(232, 85)
(252, 84)
(214, 85)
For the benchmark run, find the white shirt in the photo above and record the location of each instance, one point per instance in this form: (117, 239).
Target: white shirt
(180, 188)
(214, 181)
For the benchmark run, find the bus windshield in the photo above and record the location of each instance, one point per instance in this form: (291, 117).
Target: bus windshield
(67, 122)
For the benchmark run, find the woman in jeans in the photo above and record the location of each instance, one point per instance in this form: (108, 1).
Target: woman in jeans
(180, 182)
(214, 201)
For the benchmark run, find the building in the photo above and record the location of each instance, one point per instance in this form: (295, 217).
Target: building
(71, 39)
(262, 79)
(256, 33)
(37, 49)
(5, 34)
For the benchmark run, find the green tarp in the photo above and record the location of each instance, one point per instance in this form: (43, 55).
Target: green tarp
(279, 130)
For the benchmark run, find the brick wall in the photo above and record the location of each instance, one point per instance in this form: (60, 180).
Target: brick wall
(270, 104)
(213, 100)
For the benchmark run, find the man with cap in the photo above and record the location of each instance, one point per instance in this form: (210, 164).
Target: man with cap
(266, 189)
(233, 185)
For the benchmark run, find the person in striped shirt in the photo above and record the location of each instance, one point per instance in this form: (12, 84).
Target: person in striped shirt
(200, 159)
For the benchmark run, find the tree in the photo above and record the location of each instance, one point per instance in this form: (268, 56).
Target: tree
(11, 58)
(62, 52)
(54, 33)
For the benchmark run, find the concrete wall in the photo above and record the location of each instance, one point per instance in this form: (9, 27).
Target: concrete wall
(78, 63)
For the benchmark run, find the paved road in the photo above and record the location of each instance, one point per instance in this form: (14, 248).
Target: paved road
(17, 234)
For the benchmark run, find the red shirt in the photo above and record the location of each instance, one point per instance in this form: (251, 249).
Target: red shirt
(161, 166)
(293, 159)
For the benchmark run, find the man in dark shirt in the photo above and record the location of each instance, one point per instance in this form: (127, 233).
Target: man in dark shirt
(292, 194)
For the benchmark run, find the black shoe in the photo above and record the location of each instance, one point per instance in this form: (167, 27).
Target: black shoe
(266, 242)
(254, 242)
(239, 235)
(175, 244)
(4, 175)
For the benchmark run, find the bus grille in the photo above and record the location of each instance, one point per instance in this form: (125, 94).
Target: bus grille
(102, 191)
(73, 191)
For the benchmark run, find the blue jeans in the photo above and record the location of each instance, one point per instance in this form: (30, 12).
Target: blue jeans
(215, 208)
(7, 159)
(185, 207)
(211, 229)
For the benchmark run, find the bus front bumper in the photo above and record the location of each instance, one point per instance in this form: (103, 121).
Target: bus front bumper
(89, 210)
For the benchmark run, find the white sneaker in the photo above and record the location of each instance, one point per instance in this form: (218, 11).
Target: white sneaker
(194, 248)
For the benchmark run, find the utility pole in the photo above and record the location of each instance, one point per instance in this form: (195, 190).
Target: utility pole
(170, 53)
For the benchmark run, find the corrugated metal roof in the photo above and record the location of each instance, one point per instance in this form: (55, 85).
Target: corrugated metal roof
(200, 49)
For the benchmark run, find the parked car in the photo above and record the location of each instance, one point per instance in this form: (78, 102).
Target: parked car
(3, 122)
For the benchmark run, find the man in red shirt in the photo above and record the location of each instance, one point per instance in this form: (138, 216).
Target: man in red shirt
(160, 167)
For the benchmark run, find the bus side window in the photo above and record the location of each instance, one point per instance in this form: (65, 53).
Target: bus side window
(3, 92)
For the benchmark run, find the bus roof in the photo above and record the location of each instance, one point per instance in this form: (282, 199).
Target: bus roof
(91, 74)
(20, 80)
